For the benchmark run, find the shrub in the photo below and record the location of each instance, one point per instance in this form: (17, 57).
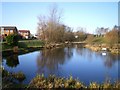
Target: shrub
(19, 76)
(12, 39)
(112, 37)
(54, 82)
(94, 85)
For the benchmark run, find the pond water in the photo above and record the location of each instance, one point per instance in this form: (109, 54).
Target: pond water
(81, 63)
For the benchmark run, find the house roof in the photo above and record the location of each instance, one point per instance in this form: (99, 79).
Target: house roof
(24, 31)
(8, 27)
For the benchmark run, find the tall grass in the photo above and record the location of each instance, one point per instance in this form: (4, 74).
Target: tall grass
(40, 81)
(56, 82)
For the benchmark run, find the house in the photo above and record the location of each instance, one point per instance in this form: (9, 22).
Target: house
(6, 30)
(25, 33)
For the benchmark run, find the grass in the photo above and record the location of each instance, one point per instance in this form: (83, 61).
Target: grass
(23, 44)
(98, 40)
(95, 40)
(55, 82)
(52, 81)
(30, 43)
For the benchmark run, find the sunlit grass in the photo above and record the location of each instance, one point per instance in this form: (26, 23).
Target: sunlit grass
(23, 44)
(40, 81)
(56, 82)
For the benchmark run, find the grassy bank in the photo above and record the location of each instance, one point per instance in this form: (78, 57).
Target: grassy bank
(30, 43)
(99, 40)
(24, 44)
(52, 81)
(97, 43)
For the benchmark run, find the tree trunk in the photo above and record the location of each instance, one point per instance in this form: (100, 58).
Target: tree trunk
(15, 49)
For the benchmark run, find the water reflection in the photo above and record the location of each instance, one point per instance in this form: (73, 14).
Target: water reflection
(79, 62)
(86, 53)
(49, 60)
(12, 61)
(110, 60)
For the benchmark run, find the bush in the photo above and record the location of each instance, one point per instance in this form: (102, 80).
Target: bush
(5, 46)
(112, 37)
(12, 39)
(19, 76)
(56, 82)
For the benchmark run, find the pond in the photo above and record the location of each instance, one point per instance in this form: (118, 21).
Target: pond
(81, 63)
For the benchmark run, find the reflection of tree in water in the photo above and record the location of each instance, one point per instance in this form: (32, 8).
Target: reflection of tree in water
(85, 53)
(68, 52)
(110, 60)
(80, 51)
(50, 59)
(0, 58)
(12, 61)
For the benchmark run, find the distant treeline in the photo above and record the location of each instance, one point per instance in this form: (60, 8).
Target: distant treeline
(52, 30)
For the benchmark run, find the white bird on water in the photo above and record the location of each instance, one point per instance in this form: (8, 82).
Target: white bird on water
(104, 54)
(104, 49)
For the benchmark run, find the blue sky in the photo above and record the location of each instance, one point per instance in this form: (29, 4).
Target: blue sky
(89, 15)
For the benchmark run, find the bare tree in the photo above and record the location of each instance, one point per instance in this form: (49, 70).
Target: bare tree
(112, 36)
(81, 33)
(101, 31)
(90, 38)
(69, 35)
(49, 26)
(41, 29)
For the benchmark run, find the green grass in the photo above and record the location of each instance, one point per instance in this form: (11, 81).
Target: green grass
(30, 43)
(23, 44)
(98, 40)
